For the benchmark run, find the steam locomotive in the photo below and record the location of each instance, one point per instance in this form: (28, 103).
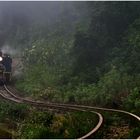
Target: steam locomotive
(5, 68)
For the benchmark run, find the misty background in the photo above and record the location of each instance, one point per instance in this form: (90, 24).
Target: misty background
(73, 52)
(74, 46)
(23, 24)
(18, 20)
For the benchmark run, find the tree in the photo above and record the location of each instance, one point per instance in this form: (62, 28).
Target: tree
(92, 49)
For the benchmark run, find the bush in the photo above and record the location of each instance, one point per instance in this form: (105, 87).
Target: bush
(13, 111)
(36, 79)
(36, 125)
(45, 125)
(112, 87)
(132, 102)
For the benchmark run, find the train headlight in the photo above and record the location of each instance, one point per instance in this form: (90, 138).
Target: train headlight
(1, 58)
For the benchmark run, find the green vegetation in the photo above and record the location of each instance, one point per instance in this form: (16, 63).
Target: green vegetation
(15, 111)
(83, 53)
(117, 126)
(23, 121)
(44, 125)
(11, 115)
(87, 65)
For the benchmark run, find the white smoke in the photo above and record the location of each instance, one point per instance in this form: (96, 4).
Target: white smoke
(6, 49)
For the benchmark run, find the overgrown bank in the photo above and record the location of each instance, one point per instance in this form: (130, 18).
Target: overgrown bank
(84, 53)
(23, 121)
(95, 66)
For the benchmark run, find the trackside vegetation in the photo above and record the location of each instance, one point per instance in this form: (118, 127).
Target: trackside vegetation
(84, 53)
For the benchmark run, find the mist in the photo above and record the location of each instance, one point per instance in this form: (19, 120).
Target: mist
(22, 21)
(45, 11)
(69, 53)
(7, 49)
(22, 16)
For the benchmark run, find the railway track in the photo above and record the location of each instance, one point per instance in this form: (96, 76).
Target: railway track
(9, 95)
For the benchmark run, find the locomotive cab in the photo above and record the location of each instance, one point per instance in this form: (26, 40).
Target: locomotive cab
(5, 68)
(2, 69)
(7, 62)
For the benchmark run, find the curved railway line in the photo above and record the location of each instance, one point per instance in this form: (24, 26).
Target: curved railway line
(9, 95)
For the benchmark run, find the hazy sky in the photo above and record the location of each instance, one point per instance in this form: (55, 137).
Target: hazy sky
(14, 14)
(37, 10)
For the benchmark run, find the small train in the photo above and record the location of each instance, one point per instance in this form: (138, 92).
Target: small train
(5, 68)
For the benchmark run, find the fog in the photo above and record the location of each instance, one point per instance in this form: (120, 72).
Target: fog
(6, 49)
(25, 14)
(45, 11)
(17, 18)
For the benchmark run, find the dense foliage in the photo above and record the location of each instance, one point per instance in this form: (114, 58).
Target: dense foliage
(90, 49)
(97, 63)
(47, 125)
(84, 53)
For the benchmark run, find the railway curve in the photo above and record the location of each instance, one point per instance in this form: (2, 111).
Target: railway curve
(73, 107)
(17, 99)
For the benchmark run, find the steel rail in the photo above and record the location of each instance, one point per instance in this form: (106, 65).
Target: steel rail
(104, 109)
(21, 100)
(89, 107)
(96, 128)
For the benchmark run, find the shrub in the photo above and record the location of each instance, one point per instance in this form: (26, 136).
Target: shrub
(132, 102)
(13, 111)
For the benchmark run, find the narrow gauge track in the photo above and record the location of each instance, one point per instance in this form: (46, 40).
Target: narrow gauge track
(7, 94)
(79, 106)
(72, 107)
